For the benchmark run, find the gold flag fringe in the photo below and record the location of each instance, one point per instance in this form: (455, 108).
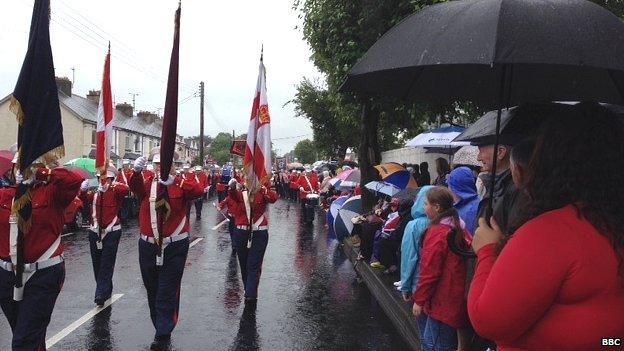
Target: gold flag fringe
(23, 224)
(16, 107)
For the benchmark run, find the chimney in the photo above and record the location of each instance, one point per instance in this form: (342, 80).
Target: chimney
(126, 108)
(64, 85)
(94, 95)
(147, 116)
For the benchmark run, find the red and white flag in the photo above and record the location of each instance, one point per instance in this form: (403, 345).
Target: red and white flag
(104, 120)
(257, 160)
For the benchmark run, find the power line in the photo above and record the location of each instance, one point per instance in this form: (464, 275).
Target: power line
(121, 51)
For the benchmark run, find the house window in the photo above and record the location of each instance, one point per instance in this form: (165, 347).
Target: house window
(128, 145)
(93, 136)
(137, 143)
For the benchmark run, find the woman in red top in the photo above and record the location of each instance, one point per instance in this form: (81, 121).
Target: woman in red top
(558, 283)
(439, 299)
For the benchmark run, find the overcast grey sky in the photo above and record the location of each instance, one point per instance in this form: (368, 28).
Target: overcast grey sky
(220, 44)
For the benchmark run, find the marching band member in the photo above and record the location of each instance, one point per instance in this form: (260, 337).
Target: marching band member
(250, 257)
(162, 267)
(105, 230)
(51, 191)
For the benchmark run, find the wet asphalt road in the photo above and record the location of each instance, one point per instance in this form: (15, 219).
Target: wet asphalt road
(308, 299)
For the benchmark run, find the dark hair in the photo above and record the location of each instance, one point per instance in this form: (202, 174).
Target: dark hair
(443, 197)
(424, 167)
(521, 153)
(442, 166)
(590, 135)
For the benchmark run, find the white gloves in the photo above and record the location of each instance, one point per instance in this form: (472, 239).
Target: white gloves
(84, 185)
(301, 189)
(167, 182)
(19, 178)
(232, 182)
(140, 163)
(206, 190)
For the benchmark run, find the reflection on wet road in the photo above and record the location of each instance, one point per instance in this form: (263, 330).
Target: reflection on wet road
(308, 298)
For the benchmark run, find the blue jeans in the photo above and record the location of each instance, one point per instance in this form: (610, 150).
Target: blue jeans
(30, 317)
(163, 283)
(250, 259)
(104, 262)
(435, 335)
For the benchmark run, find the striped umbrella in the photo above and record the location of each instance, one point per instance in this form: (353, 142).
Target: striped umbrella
(396, 175)
(343, 226)
(333, 212)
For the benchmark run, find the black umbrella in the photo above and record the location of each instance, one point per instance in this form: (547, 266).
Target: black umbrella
(542, 50)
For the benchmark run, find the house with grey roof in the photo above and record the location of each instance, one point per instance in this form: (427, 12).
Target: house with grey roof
(134, 134)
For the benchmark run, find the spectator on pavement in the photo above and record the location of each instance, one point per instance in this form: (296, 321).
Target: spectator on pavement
(439, 299)
(461, 182)
(558, 283)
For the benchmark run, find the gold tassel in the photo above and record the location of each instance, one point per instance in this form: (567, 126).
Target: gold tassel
(16, 107)
(20, 203)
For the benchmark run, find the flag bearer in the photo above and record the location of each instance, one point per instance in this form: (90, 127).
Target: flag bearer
(250, 257)
(51, 191)
(105, 230)
(162, 274)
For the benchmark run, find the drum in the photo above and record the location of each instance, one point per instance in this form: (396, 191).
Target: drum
(313, 200)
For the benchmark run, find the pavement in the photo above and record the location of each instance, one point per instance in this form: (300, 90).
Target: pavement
(309, 298)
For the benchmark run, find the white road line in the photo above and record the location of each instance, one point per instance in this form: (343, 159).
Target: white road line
(216, 227)
(63, 333)
(67, 234)
(195, 242)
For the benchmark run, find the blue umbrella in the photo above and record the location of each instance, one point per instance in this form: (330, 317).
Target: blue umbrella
(333, 212)
(352, 208)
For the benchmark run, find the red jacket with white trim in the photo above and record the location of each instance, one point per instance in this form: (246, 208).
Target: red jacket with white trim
(108, 203)
(182, 193)
(57, 190)
(258, 207)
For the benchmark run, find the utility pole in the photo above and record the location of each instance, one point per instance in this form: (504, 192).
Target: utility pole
(134, 95)
(201, 123)
(233, 140)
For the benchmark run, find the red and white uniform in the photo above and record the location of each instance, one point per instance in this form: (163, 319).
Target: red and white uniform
(232, 207)
(49, 200)
(202, 179)
(123, 176)
(182, 193)
(309, 185)
(107, 204)
(294, 178)
(258, 207)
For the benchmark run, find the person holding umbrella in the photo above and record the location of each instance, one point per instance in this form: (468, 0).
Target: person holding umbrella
(558, 281)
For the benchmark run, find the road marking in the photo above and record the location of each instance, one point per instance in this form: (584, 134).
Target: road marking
(69, 329)
(67, 234)
(216, 227)
(195, 242)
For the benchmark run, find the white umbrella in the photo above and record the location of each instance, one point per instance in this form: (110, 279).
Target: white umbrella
(383, 187)
(438, 138)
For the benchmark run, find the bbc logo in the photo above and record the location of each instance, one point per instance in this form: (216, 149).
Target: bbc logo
(611, 342)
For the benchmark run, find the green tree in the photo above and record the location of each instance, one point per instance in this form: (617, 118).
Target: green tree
(339, 33)
(219, 148)
(305, 151)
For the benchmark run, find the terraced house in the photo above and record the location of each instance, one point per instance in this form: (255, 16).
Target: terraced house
(134, 133)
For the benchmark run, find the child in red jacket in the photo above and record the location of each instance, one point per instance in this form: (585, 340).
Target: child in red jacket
(439, 299)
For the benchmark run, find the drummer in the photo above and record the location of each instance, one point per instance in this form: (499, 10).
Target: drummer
(308, 184)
